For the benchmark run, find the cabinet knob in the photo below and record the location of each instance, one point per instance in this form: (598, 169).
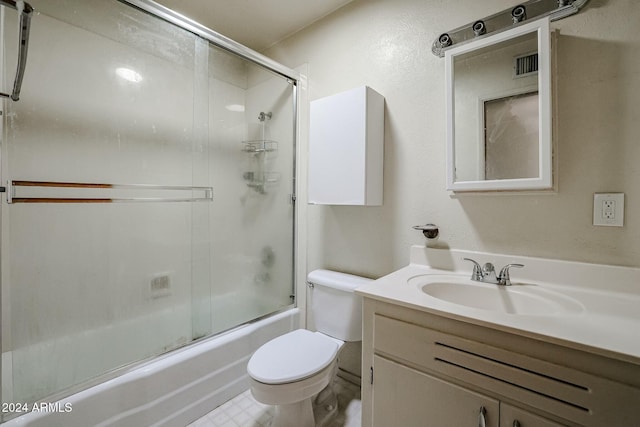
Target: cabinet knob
(482, 422)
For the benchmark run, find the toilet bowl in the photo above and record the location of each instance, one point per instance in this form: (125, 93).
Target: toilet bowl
(291, 369)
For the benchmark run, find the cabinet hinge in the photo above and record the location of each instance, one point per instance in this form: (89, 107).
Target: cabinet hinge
(292, 199)
(371, 376)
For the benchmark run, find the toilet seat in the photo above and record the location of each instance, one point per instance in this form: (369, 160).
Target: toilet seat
(292, 357)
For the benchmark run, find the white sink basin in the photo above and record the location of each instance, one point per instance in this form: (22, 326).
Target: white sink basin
(518, 299)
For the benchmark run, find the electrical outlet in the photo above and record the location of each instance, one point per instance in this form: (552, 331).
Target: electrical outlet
(608, 209)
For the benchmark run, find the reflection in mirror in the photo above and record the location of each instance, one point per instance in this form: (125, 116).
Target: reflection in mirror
(511, 137)
(499, 118)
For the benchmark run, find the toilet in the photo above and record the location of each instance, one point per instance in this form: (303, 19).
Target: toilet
(290, 370)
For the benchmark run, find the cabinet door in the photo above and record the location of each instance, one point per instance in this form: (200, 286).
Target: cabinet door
(511, 416)
(346, 148)
(405, 397)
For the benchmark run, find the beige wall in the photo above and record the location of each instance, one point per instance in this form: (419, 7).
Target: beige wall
(386, 44)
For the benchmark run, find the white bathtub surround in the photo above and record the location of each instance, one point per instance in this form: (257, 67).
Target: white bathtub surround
(174, 390)
(47, 366)
(597, 304)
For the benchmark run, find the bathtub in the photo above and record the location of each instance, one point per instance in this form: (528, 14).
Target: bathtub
(172, 390)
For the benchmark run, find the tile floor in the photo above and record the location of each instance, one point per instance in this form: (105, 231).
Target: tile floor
(244, 411)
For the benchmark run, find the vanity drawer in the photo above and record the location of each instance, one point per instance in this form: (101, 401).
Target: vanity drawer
(568, 393)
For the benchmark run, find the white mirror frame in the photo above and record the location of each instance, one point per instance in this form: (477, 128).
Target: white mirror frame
(545, 178)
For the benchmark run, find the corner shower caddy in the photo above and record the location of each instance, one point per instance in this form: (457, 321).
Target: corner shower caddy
(259, 178)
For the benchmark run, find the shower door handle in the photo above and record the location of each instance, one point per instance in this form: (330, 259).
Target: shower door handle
(25, 24)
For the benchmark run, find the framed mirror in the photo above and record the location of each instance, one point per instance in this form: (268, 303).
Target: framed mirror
(499, 111)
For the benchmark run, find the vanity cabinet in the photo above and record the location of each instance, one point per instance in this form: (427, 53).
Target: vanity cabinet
(407, 397)
(511, 416)
(429, 370)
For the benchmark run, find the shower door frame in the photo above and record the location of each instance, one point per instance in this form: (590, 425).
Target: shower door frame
(293, 76)
(217, 39)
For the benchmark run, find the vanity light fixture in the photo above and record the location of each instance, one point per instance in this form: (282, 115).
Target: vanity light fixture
(529, 10)
(444, 40)
(129, 74)
(519, 14)
(479, 28)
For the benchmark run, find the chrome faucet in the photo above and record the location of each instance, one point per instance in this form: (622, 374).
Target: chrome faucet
(487, 273)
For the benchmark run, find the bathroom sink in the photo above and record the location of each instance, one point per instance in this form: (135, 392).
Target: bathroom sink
(518, 299)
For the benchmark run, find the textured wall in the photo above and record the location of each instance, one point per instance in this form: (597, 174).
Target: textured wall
(386, 44)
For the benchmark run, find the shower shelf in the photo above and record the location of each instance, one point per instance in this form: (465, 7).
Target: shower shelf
(254, 179)
(258, 181)
(260, 146)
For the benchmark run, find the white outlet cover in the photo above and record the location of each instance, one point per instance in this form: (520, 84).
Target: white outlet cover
(608, 209)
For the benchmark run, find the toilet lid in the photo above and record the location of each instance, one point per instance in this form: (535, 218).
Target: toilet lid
(292, 357)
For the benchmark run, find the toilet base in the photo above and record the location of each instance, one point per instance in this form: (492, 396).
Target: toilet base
(313, 412)
(294, 401)
(325, 406)
(299, 414)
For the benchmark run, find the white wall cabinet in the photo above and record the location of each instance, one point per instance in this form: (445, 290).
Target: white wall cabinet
(431, 371)
(346, 148)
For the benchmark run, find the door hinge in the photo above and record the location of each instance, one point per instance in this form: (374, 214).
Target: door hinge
(371, 376)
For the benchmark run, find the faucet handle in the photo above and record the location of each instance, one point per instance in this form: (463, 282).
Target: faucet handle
(504, 278)
(476, 274)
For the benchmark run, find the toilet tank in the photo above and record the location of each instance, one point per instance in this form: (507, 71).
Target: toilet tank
(336, 309)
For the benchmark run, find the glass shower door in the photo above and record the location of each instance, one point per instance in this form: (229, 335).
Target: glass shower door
(150, 200)
(252, 153)
(104, 153)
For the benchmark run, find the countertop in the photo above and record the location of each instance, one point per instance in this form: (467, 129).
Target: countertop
(607, 321)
